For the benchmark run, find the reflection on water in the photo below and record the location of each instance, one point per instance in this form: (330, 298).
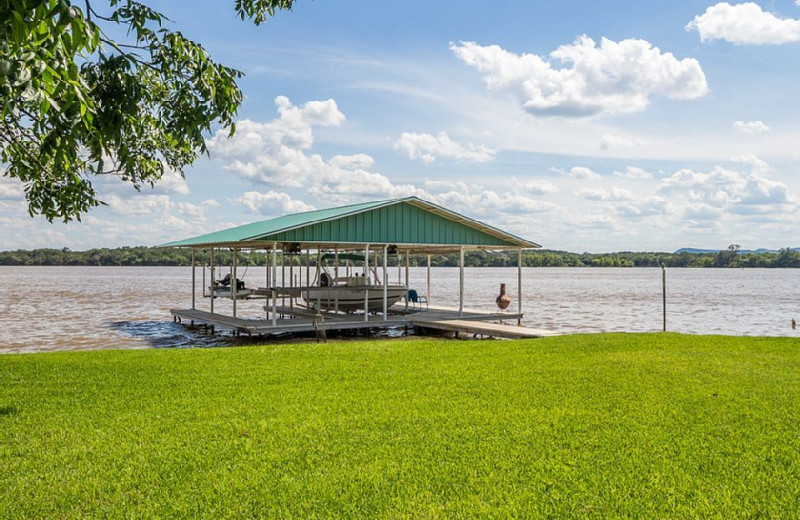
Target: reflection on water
(69, 308)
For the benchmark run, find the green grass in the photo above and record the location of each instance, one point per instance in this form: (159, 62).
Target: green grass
(594, 426)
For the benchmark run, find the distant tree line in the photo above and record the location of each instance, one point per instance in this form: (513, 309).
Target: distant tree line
(155, 256)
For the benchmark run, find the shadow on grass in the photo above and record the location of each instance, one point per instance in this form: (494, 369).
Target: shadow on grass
(8, 410)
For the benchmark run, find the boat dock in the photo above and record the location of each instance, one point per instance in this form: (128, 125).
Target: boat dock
(337, 272)
(299, 319)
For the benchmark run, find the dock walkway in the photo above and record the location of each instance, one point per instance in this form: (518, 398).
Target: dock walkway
(301, 320)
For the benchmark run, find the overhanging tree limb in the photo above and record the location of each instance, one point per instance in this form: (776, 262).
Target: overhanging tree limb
(71, 97)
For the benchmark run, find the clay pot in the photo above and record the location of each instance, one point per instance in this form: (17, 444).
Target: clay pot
(503, 300)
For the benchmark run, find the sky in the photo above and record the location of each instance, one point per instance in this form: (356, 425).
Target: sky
(580, 125)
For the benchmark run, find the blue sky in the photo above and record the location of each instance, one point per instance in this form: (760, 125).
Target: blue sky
(581, 125)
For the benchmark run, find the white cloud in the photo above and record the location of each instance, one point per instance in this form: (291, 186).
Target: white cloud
(579, 172)
(743, 24)
(702, 211)
(540, 187)
(750, 127)
(756, 163)
(189, 210)
(612, 78)
(10, 189)
(275, 154)
(602, 195)
(139, 206)
(490, 203)
(733, 191)
(428, 148)
(291, 130)
(352, 162)
(632, 172)
(611, 142)
(271, 203)
(437, 186)
(171, 182)
(648, 207)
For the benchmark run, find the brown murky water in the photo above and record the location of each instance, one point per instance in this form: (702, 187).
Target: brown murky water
(69, 308)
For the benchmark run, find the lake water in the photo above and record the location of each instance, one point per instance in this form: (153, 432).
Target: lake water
(68, 308)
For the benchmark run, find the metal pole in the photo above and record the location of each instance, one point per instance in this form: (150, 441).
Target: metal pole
(461, 282)
(211, 261)
(194, 281)
(385, 282)
(274, 293)
(407, 282)
(664, 295)
(336, 278)
(429, 279)
(519, 285)
(283, 276)
(233, 279)
(275, 264)
(319, 281)
(366, 287)
(266, 281)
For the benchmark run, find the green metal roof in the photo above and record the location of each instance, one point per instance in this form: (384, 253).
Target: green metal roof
(409, 222)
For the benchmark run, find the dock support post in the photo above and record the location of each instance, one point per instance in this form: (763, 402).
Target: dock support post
(408, 284)
(336, 278)
(366, 286)
(194, 282)
(211, 261)
(319, 274)
(283, 276)
(428, 294)
(233, 281)
(274, 294)
(519, 285)
(461, 282)
(266, 281)
(385, 282)
(275, 264)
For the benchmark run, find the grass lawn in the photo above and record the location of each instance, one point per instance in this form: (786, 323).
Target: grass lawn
(591, 426)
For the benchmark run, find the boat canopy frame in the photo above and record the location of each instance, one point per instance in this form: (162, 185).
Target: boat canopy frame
(400, 227)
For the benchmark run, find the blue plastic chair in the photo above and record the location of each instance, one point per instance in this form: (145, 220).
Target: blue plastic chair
(414, 297)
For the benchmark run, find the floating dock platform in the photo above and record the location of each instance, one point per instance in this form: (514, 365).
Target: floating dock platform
(299, 319)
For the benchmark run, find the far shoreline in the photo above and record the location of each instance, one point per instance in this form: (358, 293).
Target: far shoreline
(144, 256)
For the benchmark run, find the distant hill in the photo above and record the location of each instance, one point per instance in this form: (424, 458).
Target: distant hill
(694, 251)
